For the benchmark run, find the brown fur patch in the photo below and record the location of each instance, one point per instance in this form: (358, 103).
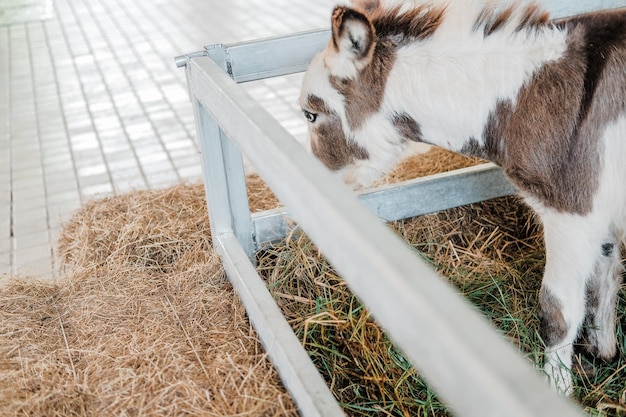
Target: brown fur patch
(548, 142)
(364, 94)
(473, 148)
(407, 127)
(552, 324)
(603, 44)
(329, 143)
(491, 18)
(316, 104)
(592, 303)
(415, 24)
(602, 287)
(533, 16)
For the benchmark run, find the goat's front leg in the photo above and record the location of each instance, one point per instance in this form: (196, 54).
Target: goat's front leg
(572, 243)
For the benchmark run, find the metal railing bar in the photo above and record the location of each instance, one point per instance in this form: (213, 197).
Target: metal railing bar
(410, 198)
(227, 197)
(437, 192)
(271, 57)
(306, 386)
(288, 54)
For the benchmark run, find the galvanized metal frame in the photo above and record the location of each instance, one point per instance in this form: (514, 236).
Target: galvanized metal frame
(473, 369)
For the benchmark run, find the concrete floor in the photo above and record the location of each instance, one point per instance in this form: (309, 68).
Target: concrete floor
(92, 104)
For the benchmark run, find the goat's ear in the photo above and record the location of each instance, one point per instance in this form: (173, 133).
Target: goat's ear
(353, 37)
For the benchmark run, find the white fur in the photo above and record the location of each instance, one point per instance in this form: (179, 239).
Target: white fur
(464, 74)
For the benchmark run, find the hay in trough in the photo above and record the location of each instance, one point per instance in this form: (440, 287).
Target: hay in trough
(143, 321)
(434, 161)
(368, 374)
(491, 251)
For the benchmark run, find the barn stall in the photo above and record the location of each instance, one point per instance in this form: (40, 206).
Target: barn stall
(149, 256)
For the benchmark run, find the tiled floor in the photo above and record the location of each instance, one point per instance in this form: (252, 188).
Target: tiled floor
(92, 104)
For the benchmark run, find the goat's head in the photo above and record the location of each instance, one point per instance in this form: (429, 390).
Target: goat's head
(342, 100)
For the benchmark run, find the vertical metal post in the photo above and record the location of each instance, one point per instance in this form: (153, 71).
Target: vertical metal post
(229, 216)
(226, 192)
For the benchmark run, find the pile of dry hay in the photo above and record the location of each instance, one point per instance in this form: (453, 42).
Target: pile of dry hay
(144, 322)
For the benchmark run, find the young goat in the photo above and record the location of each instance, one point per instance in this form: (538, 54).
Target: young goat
(545, 100)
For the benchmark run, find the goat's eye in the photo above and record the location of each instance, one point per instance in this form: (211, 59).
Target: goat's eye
(310, 117)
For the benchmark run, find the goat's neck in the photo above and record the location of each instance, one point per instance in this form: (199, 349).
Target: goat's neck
(451, 86)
